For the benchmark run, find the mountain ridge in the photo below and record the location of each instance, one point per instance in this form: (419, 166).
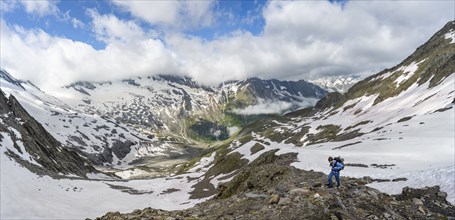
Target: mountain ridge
(122, 134)
(340, 84)
(30, 138)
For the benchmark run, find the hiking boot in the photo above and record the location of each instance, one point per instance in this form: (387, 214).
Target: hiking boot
(329, 186)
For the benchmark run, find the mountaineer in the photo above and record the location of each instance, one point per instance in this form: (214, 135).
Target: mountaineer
(336, 165)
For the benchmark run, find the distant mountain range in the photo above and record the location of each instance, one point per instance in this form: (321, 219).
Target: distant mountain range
(118, 122)
(339, 84)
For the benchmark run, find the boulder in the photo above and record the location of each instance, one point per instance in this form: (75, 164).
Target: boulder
(274, 199)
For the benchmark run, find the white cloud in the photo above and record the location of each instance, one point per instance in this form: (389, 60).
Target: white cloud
(40, 8)
(109, 28)
(300, 40)
(277, 107)
(264, 108)
(77, 23)
(309, 39)
(54, 61)
(361, 37)
(7, 5)
(171, 14)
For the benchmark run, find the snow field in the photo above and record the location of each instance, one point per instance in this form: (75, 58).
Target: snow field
(25, 195)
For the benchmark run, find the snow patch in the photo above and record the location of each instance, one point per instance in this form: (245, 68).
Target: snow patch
(8, 144)
(450, 35)
(132, 173)
(443, 177)
(408, 71)
(203, 164)
(47, 198)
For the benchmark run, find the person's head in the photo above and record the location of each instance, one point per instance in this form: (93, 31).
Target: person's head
(330, 159)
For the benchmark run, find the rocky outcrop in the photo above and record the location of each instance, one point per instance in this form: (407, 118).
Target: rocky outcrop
(6, 76)
(329, 100)
(268, 188)
(4, 107)
(42, 147)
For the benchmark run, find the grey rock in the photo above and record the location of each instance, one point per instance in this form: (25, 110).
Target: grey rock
(442, 194)
(417, 201)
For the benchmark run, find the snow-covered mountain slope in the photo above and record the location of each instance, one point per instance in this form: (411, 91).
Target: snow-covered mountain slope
(26, 195)
(406, 141)
(30, 145)
(103, 140)
(255, 96)
(399, 123)
(42, 179)
(339, 84)
(177, 106)
(156, 104)
(122, 122)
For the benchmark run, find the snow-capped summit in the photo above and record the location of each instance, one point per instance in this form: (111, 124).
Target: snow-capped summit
(5, 77)
(339, 84)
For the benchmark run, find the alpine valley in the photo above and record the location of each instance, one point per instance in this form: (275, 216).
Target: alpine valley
(166, 147)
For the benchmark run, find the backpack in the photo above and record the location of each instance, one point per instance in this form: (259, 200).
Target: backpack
(339, 160)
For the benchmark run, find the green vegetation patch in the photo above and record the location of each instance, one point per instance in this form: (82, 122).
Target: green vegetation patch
(226, 163)
(242, 99)
(245, 139)
(231, 119)
(297, 137)
(275, 136)
(208, 131)
(327, 133)
(358, 124)
(260, 174)
(256, 148)
(348, 135)
(349, 106)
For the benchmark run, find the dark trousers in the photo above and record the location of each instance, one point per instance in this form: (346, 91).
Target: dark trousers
(337, 177)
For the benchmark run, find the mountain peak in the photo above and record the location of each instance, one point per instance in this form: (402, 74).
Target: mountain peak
(4, 75)
(339, 84)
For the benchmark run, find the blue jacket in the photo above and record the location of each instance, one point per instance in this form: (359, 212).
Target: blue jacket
(336, 167)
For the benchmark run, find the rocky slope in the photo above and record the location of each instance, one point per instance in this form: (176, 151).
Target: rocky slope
(33, 146)
(268, 188)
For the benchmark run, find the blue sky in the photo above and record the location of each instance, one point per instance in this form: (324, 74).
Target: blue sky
(211, 40)
(230, 16)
